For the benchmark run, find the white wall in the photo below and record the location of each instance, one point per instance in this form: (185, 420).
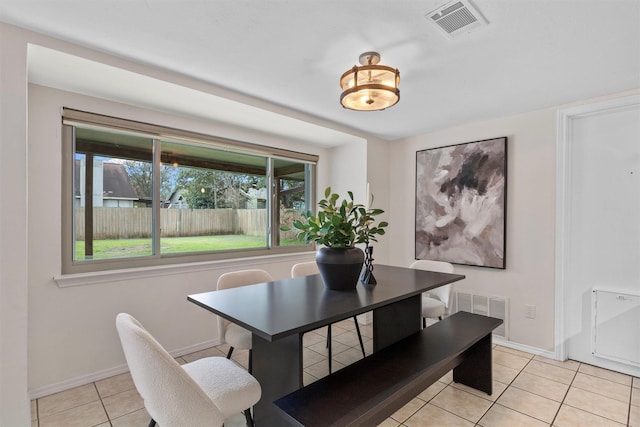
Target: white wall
(355, 165)
(378, 167)
(529, 276)
(348, 171)
(14, 403)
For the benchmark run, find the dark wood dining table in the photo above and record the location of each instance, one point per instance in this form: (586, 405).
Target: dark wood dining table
(278, 313)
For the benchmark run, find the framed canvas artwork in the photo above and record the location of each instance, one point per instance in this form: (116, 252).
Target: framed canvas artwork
(461, 203)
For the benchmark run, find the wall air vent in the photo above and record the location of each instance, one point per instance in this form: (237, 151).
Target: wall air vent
(487, 305)
(456, 17)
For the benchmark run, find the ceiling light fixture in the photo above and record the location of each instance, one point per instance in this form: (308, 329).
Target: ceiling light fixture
(370, 87)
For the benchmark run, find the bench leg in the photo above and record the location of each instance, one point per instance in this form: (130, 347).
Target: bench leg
(476, 369)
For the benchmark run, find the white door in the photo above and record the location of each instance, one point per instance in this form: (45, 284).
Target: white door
(599, 229)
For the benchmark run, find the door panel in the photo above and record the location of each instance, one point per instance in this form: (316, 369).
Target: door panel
(603, 226)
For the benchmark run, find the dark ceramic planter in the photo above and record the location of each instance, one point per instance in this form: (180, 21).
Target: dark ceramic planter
(340, 267)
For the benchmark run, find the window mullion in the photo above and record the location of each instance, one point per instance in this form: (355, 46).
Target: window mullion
(272, 234)
(156, 202)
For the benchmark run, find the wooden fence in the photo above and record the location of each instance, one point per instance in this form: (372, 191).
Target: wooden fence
(129, 223)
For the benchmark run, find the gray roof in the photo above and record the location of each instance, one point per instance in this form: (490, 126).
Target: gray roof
(116, 182)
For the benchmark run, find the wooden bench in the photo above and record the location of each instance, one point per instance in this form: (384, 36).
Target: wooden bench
(371, 389)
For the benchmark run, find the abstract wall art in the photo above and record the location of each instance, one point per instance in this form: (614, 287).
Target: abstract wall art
(461, 203)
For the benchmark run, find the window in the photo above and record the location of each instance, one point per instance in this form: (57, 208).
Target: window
(138, 194)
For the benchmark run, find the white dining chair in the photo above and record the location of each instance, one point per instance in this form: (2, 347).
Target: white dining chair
(436, 304)
(202, 393)
(234, 335)
(308, 269)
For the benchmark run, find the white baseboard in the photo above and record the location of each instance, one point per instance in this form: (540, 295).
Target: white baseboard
(117, 370)
(76, 382)
(110, 372)
(525, 348)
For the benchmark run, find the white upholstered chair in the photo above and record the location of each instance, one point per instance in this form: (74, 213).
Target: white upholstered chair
(234, 335)
(200, 393)
(436, 304)
(307, 269)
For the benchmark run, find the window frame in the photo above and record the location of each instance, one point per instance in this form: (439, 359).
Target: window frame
(72, 118)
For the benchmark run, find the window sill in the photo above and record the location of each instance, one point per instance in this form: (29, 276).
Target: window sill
(94, 278)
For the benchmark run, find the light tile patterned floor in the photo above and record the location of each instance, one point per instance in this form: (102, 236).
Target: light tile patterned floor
(528, 391)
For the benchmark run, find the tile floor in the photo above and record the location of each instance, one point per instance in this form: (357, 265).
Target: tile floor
(528, 391)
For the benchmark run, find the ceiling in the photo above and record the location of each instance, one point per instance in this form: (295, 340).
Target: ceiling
(532, 54)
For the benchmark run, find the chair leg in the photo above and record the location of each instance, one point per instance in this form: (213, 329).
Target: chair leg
(328, 338)
(329, 346)
(424, 322)
(250, 358)
(247, 415)
(152, 423)
(355, 320)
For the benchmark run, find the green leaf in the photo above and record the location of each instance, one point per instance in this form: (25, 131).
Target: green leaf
(339, 223)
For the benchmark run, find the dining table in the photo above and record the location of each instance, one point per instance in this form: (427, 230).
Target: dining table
(278, 313)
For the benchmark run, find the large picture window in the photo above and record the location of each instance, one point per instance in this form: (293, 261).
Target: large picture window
(140, 195)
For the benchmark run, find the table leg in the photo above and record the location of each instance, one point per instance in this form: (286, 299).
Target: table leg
(277, 365)
(396, 321)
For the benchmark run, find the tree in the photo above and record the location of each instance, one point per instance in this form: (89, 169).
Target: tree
(292, 194)
(214, 189)
(141, 176)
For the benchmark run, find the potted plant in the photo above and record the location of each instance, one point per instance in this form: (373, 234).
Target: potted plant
(338, 227)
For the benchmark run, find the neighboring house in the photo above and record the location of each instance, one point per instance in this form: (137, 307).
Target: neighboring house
(176, 201)
(255, 198)
(111, 185)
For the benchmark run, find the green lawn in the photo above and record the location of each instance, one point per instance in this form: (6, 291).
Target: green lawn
(106, 249)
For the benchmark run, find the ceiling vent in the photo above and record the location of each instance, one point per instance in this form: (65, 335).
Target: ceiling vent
(456, 17)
